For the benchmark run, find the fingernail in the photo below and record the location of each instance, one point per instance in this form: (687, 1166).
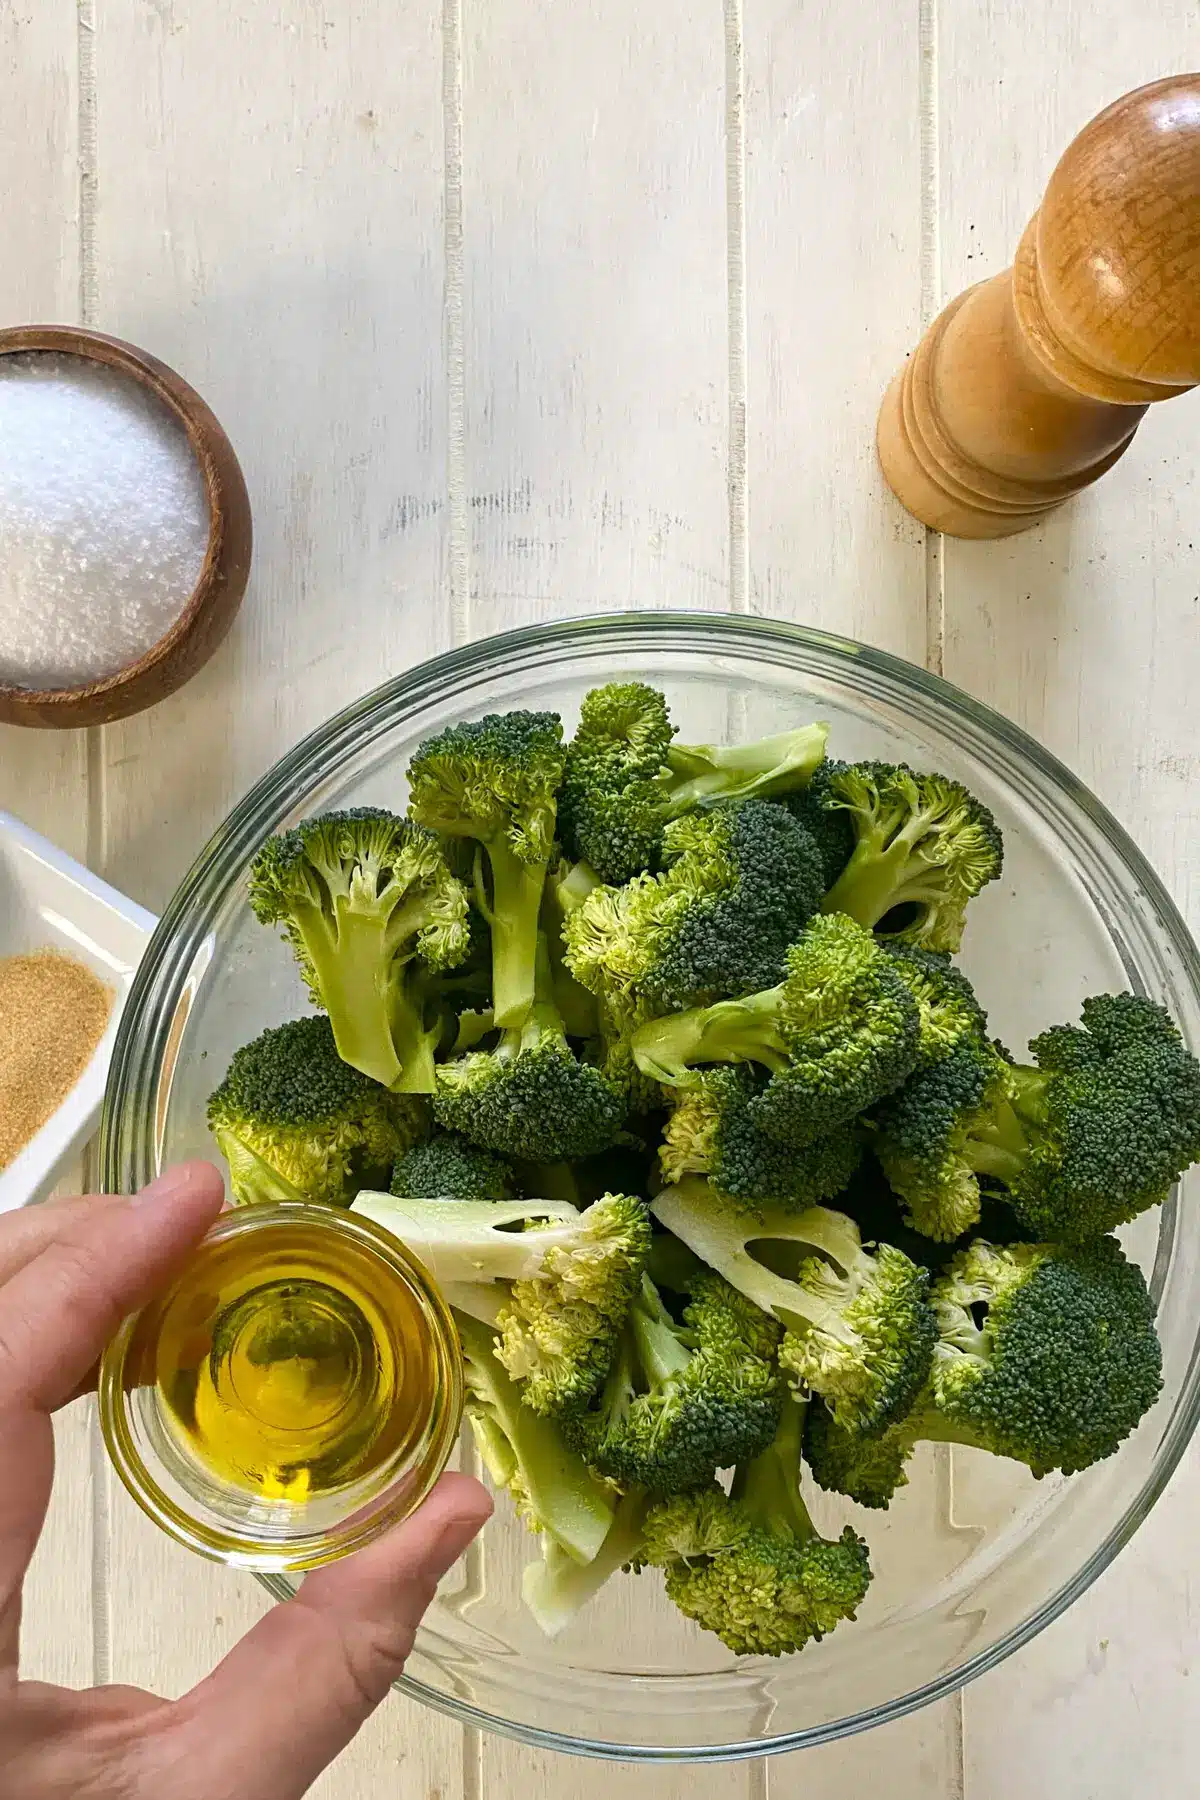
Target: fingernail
(452, 1541)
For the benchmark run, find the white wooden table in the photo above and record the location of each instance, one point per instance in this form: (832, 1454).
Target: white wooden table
(515, 308)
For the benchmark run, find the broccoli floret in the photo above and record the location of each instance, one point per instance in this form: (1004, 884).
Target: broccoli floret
(924, 846)
(294, 1122)
(1106, 1123)
(367, 902)
(556, 1588)
(932, 1134)
(494, 781)
(531, 1097)
(684, 1400)
(838, 1033)
(752, 1567)
(858, 1327)
(569, 1278)
(711, 1130)
(554, 1490)
(625, 778)
(1045, 1354)
(447, 1167)
(740, 883)
(831, 831)
(877, 1211)
(1085, 1140)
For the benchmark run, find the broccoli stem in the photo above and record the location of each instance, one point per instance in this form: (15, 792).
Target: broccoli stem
(656, 1335)
(769, 1487)
(731, 1031)
(876, 878)
(516, 902)
(352, 972)
(998, 1145)
(556, 1589)
(774, 765)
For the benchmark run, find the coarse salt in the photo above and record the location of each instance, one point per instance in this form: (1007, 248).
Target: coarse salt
(104, 520)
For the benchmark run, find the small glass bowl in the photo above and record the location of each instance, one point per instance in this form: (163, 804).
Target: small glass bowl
(200, 1506)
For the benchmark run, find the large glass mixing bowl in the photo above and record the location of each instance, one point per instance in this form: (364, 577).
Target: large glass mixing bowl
(974, 1556)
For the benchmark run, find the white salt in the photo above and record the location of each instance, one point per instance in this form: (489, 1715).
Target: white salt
(104, 520)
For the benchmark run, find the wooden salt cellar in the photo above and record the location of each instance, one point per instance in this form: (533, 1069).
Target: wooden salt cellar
(1029, 386)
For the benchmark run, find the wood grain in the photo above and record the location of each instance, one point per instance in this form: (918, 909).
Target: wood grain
(523, 309)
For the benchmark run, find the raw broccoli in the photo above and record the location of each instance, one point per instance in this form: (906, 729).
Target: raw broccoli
(367, 902)
(531, 1096)
(1106, 1122)
(752, 1567)
(739, 884)
(711, 1130)
(447, 1167)
(569, 1278)
(832, 831)
(924, 846)
(494, 781)
(626, 779)
(1045, 1354)
(294, 1122)
(554, 1490)
(1083, 1141)
(858, 1327)
(924, 1131)
(838, 1033)
(684, 1399)
(567, 887)
(556, 1587)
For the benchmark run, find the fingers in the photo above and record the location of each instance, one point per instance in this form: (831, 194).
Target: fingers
(25, 1234)
(293, 1693)
(62, 1305)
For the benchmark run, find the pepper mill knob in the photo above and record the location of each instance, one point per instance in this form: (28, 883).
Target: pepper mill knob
(1029, 386)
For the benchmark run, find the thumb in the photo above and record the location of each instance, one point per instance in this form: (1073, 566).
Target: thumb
(297, 1687)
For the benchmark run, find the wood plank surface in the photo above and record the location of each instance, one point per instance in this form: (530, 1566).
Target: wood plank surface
(519, 310)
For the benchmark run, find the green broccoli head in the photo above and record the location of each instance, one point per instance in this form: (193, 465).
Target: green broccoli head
(1109, 1119)
(294, 1122)
(685, 1399)
(530, 1097)
(858, 1328)
(831, 830)
(495, 782)
(448, 1167)
(839, 1032)
(611, 812)
(869, 1470)
(1045, 1353)
(566, 1278)
(924, 846)
(712, 1131)
(935, 1133)
(750, 1566)
(560, 1328)
(367, 902)
(1083, 1141)
(626, 779)
(555, 1492)
(739, 884)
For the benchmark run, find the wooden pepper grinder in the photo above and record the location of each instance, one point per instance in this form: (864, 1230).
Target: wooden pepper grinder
(1031, 385)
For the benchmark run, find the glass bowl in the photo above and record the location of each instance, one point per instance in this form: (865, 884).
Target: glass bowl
(974, 1557)
(282, 1310)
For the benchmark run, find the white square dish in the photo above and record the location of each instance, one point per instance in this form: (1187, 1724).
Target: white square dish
(50, 902)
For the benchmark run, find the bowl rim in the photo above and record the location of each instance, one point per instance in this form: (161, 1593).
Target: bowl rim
(728, 633)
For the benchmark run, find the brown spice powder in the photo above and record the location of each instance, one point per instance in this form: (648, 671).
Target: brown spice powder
(53, 1013)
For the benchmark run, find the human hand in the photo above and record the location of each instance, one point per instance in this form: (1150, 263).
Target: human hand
(297, 1687)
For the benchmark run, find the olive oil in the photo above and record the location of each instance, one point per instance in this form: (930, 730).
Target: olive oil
(293, 1367)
